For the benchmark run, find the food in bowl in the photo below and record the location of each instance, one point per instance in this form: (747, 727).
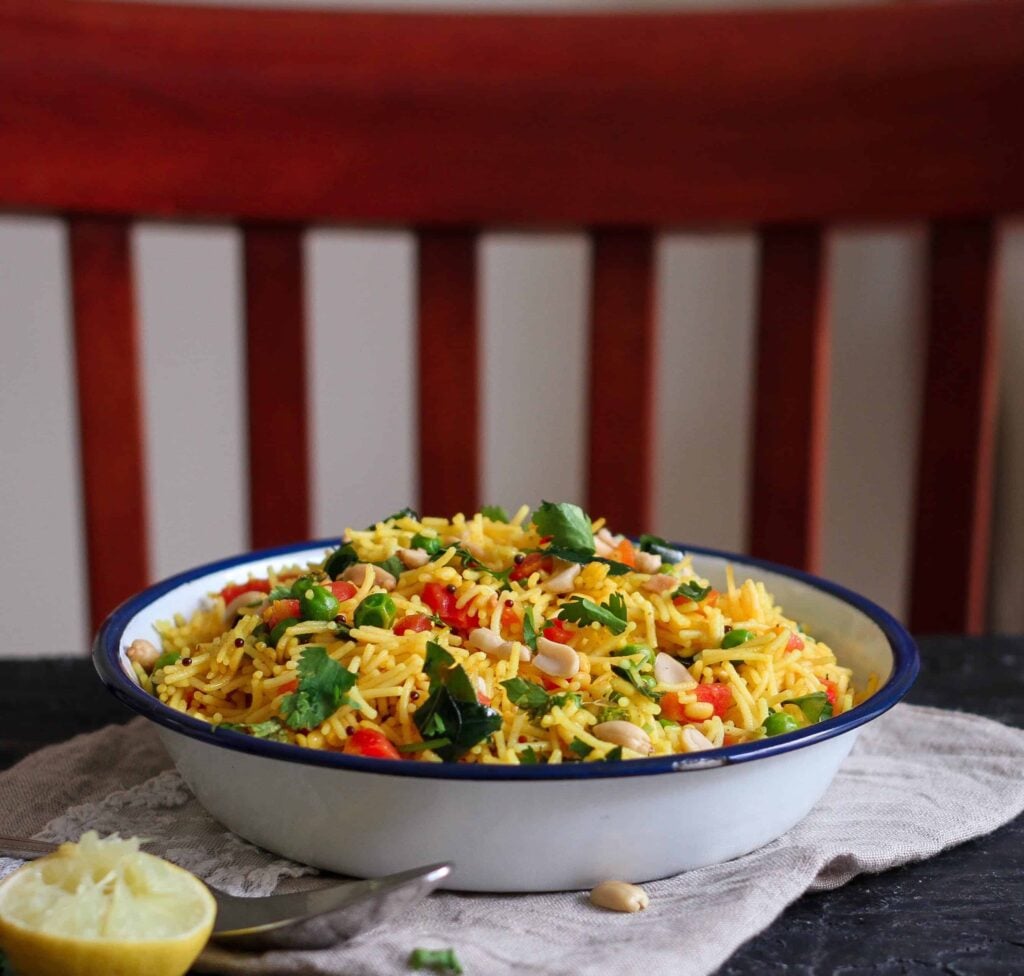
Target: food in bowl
(540, 638)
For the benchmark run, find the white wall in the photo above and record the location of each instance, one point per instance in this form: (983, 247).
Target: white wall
(533, 303)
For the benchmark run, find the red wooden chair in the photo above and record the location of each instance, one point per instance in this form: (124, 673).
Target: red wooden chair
(623, 124)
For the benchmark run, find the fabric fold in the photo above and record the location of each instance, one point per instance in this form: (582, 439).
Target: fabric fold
(918, 781)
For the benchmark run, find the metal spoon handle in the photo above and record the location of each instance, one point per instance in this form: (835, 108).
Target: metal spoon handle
(24, 849)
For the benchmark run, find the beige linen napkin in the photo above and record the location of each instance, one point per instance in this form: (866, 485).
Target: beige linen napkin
(919, 780)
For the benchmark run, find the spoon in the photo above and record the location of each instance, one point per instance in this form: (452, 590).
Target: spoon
(312, 919)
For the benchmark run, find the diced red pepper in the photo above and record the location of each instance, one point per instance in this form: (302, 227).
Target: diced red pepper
(233, 590)
(442, 602)
(509, 618)
(343, 590)
(551, 684)
(832, 690)
(557, 631)
(795, 643)
(672, 707)
(280, 610)
(532, 563)
(730, 740)
(190, 693)
(370, 743)
(545, 539)
(288, 687)
(720, 697)
(415, 623)
(624, 553)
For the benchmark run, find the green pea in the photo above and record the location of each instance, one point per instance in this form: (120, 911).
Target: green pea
(317, 603)
(377, 610)
(429, 544)
(780, 723)
(168, 657)
(736, 637)
(278, 631)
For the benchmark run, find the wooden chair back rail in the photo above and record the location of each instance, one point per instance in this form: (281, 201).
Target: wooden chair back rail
(623, 124)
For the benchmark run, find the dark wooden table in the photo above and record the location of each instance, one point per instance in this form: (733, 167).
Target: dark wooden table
(960, 914)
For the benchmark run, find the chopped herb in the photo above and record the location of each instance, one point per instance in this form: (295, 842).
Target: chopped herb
(528, 696)
(613, 713)
(528, 757)
(613, 755)
(692, 590)
(632, 671)
(392, 565)
(340, 560)
(580, 748)
(532, 698)
(439, 960)
(816, 706)
(611, 613)
(583, 556)
(323, 683)
(271, 729)
(495, 513)
(529, 631)
(400, 514)
(168, 657)
(657, 545)
(280, 592)
(667, 723)
(452, 710)
(567, 524)
(420, 746)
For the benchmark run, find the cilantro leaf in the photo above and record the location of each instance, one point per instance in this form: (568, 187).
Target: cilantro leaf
(643, 681)
(613, 755)
(528, 757)
(567, 524)
(611, 613)
(692, 590)
(580, 748)
(529, 630)
(323, 683)
(495, 513)
(816, 706)
(533, 699)
(452, 710)
(439, 960)
(528, 696)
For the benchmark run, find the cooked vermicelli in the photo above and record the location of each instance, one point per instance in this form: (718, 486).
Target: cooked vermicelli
(536, 638)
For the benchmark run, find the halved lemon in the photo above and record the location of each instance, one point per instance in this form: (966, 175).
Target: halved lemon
(103, 908)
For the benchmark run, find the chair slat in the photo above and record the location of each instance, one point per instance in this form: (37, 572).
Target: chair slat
(277, 384)
(449, 402)
(787, 474)
(110, 411)
(954, 484)
(621, 434)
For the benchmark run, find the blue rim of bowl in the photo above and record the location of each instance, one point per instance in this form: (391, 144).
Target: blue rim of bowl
(106, 658)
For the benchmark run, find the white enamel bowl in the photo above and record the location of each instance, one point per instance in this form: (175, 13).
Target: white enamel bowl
(526, 828)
